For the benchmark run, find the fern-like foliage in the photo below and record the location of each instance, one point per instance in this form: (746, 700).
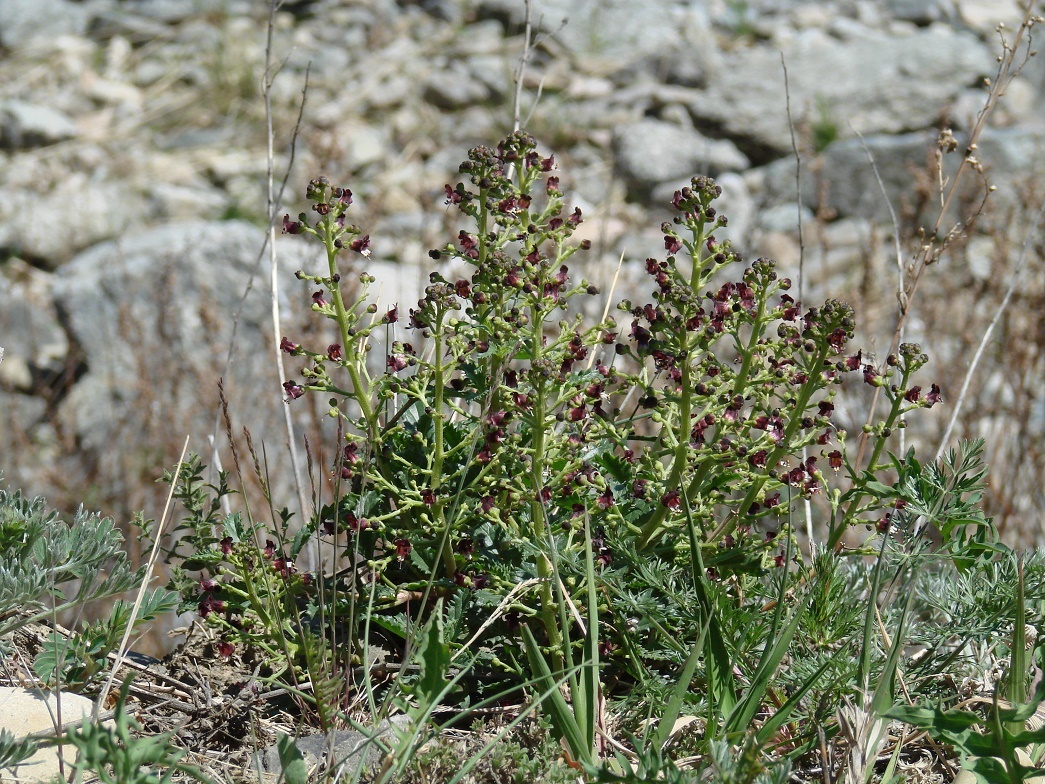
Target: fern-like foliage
(48, 565)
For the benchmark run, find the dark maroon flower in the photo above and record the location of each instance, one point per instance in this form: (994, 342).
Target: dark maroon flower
(392, 316)
(226, 545)
(226, 649)
(605, 500)
(291, 227)
(778, 561)
(209, 604)
(453, 196)
(826, 408)
(317, 299)
(402, 548)
(395, 362)
(912, 394)
(428, 497)
(488, 503)
(605, 557)
(870, 374)
(671, 500)
(854, 362)
(770, 501)
(284, 567)
(837, 339)
(672, 244)
(208, 584)
(293, 390)
(288, 346)
(885, 523)
(834, 459)
(270, 548)
(334, 352)
(577, 413)
(552, 186)
(480, 581)
(933, 396)
(361, 245)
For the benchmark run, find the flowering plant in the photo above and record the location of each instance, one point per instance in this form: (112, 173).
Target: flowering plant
(503, 419)
(547, 483)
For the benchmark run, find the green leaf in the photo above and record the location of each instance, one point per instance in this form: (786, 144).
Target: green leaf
(295, 771)
(433, 656)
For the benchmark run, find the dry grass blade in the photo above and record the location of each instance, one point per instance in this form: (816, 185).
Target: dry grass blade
(153, 555)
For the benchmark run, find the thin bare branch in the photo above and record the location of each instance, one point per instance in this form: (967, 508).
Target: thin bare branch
(1032, 235)
(933, 246)
(807, 506)
(900, 293)
(520, 74)
(295, 461)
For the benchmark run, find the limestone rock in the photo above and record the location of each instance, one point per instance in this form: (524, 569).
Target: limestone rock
(25, 125)
(651, 152)
(27, 711)
(878, 84)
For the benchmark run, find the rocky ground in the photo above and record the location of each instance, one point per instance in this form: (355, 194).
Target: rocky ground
(133, 181)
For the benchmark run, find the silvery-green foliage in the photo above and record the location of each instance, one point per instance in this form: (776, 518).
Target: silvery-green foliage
(48, 565)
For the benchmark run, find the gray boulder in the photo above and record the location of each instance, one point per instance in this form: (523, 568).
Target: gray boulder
(28, 22)
(51, 224)
(651, 152)
(153, 316)
(25, 125)
(845, 180)
(877, 84)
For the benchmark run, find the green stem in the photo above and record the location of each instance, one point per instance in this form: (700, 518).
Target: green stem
(835, 538)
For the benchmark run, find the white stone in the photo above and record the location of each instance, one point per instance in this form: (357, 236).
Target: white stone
(27, 711)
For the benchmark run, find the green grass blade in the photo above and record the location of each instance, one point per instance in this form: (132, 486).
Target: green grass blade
(744, 711)
(1016, 681)
(586, 701)
(553, 703)
(722, 687)
(678, 694)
